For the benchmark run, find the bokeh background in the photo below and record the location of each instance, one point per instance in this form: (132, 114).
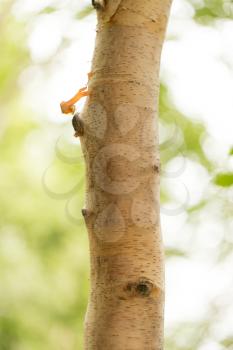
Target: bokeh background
(45, 54)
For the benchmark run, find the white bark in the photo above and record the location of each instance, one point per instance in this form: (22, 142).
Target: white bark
(120, 145)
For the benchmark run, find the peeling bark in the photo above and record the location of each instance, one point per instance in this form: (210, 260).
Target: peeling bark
(120, 146)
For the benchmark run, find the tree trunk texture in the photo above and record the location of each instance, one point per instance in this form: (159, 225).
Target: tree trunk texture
(120, 146)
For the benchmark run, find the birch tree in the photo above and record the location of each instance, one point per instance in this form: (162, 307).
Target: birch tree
(118, 128)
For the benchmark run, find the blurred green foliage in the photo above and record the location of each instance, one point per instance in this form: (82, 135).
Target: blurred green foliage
(43, 255)
(208, 10)
(44, 259)
(224, 179)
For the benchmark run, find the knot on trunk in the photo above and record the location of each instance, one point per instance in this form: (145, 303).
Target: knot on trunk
(157, 168)
(142, 288)
(87, 215)
(78, 125)
(98, 4)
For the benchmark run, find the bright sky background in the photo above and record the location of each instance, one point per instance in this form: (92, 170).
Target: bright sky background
(198, 68)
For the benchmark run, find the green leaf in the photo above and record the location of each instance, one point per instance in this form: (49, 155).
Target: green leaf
(172, 252)
(224, 179)
(192, 132)
(48, 9)
(212, 10)
(227, 342)
(197, 207)
(205, 17)
(86, 11)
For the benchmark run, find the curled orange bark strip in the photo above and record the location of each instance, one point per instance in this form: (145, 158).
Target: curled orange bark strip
(68, 106)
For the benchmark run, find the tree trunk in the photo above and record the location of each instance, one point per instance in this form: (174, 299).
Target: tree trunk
(120, 146)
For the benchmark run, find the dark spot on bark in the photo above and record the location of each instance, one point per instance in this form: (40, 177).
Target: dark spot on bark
(84, 213)
(98, 4)
(141, 288)
(129, 287)
(78, 125)
(156, 168)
